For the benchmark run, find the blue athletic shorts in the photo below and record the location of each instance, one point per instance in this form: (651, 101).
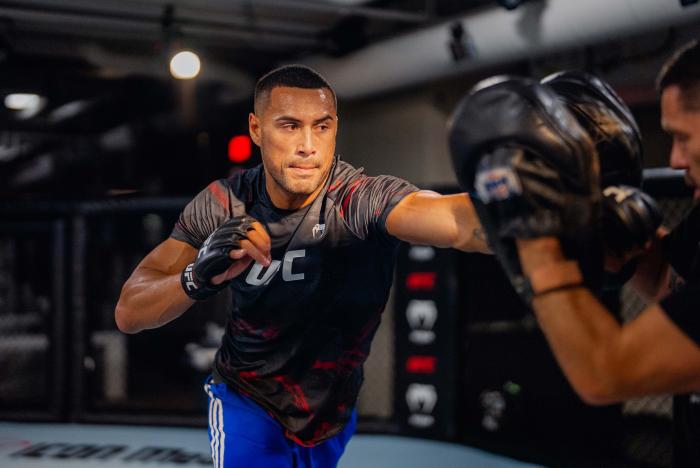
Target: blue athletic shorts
(243, 435)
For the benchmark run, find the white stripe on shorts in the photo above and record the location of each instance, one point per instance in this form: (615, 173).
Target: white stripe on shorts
(213, 429)
(222, 434)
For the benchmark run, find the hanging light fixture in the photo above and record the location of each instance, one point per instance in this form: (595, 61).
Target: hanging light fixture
(185, 65)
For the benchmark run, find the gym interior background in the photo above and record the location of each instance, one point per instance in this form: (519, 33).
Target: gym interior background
(100, 147)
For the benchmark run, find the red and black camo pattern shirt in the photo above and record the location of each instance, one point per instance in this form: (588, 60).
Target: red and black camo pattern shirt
(300, 329)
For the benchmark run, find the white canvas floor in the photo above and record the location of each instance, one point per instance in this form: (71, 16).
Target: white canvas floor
(36, 445)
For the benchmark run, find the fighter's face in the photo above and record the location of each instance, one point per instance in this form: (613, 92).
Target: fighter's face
(683, 125)
(296, 132)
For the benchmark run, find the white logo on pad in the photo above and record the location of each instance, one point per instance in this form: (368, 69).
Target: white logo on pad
(498, 183)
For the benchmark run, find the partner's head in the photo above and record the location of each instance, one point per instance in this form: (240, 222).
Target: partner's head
(679, 85)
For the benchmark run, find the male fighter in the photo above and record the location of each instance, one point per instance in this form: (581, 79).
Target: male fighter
(307, 245)
(659, 351)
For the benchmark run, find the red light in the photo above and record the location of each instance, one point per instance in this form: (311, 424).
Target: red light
(421, 364)
(421, 280)
(239, 149)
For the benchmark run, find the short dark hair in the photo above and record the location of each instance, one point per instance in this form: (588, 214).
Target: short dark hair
(683, 70)
(294, 76)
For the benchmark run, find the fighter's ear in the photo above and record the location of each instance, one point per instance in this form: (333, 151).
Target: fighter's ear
(254, 128)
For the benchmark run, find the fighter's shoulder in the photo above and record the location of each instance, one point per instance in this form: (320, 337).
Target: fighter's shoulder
(345, 178)
(350, 181)
(240, 185)
(227, 193)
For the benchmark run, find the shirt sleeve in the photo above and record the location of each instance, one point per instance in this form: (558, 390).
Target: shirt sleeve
(683, 308)
(368, 202)
(682, 244)
(207, 211)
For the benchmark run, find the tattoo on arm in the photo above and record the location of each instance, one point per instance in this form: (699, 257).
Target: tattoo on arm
(480, 234)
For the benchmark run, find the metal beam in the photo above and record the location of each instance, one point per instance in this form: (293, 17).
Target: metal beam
(344, 10)
(52, 13)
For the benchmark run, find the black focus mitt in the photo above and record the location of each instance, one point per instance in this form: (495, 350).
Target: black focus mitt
(533, 168)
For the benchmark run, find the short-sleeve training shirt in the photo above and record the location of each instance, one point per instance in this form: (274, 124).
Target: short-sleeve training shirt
(682, 248)
(301, 328)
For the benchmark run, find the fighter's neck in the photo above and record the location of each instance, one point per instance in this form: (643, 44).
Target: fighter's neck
(284, 200)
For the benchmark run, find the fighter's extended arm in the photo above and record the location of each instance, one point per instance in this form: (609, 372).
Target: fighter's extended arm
(428, 218)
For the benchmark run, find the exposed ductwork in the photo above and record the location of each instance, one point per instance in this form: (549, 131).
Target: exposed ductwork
(495, 35)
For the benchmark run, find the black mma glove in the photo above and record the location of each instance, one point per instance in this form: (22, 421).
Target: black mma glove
(630, 219)
(534, 169)
(213, 258)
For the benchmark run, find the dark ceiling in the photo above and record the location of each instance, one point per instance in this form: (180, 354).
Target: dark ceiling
(227, 29)
(101, 67)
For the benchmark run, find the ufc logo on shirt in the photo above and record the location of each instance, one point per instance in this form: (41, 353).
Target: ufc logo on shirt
(255, 278)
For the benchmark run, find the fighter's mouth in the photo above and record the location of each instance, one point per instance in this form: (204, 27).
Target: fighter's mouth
(303, 168)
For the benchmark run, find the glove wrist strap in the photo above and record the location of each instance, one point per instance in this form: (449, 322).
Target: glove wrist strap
(555, 276)
(196, 290)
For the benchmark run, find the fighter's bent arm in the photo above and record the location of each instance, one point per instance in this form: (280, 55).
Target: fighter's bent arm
(428, 218)
(153, 295)
(606, 362)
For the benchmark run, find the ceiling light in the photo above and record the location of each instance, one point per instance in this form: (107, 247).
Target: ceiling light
(26, 105)
(22, 101)
(185, 65)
